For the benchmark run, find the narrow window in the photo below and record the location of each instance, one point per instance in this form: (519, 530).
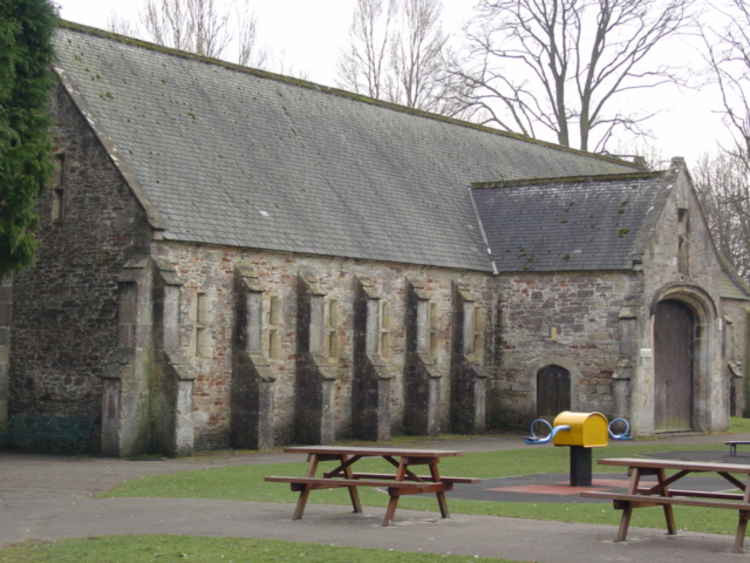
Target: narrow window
(473, 329)
(202, 347)
(127, 313)
(317, 305)
(423, 326)
(384, 332)
(373, 325)
(58, 190)
(433, 330)
(274, 328)
(682, 254)
(254, 322)
(478, 334)
(332, 340)
(468, 328)
(728, 340)
(683, 240)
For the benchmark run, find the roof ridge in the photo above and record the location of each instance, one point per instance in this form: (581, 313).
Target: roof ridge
(332, 91)
(521, 182)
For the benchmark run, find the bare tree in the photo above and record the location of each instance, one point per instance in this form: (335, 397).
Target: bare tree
(558, 65)
(397, 53)
(249, 50)
(728, 53)
(723, 186)
(199, 26)
(120, 25)
(640, 152)
(364, 68)
(189, 25)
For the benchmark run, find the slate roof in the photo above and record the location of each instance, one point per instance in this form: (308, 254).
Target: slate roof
(568, 223)
(226, 155)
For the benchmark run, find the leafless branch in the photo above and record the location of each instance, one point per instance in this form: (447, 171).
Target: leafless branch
(563, 62)
(723, 186)
(728, 55)
(398, 52)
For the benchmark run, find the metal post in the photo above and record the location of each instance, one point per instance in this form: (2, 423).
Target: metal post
(580, 466)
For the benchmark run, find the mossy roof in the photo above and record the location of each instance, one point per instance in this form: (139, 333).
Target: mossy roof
(226, 155)
(583, 223)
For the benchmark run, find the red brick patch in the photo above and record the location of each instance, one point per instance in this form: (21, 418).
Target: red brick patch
(562, 488)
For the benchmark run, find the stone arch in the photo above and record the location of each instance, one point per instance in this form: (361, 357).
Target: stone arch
(704, 313)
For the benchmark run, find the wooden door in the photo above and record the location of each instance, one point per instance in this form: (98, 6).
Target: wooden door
(674, 328)
(552, 391)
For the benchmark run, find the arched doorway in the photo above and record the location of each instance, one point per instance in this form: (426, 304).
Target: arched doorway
(674, 347)
(552, 391)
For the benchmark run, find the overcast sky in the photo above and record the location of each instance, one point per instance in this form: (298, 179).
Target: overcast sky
(309, 35)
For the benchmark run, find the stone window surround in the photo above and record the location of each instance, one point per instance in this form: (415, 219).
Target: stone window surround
(474, 325)
(378, 327)
(378, 331)
(264, 318)
(427, 322)
(201, 345)
(323, 327)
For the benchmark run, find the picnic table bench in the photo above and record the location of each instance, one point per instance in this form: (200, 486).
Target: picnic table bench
(401, 481)
(733, 445)
(663, 494)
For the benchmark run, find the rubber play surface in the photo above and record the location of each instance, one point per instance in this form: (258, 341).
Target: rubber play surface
(554, 487)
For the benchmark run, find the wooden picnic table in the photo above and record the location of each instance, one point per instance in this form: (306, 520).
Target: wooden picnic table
(662, 493)
(400, 480)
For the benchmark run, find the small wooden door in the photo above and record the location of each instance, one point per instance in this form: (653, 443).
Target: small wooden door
(674, 329)
(552, 391)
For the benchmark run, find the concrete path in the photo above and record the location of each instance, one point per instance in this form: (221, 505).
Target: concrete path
(48, 497)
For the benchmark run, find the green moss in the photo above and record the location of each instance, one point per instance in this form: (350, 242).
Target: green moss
(622, 232)
(570, 180)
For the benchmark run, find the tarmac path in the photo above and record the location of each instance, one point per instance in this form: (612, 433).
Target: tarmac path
(49, 497)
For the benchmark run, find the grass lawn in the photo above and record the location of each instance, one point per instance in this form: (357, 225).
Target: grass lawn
(137, 549)
(246, 483)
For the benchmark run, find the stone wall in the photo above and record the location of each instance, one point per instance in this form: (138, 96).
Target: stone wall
(65, 306)
(566, 319)
(6, 314)
(296, 367)
(680, 263)
(734, 344)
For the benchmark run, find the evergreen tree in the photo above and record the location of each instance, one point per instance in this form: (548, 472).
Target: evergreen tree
(26, 28)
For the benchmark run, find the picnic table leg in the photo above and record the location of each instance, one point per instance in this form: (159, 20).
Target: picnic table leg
(394, 493)
(442, 503)
(739, 539)
(390, 512)
(353, 493)
(627, 512)
(626, 506)
(668, 509)
(304, 494)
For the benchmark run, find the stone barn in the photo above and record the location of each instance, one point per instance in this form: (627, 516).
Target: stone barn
(233, 258)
